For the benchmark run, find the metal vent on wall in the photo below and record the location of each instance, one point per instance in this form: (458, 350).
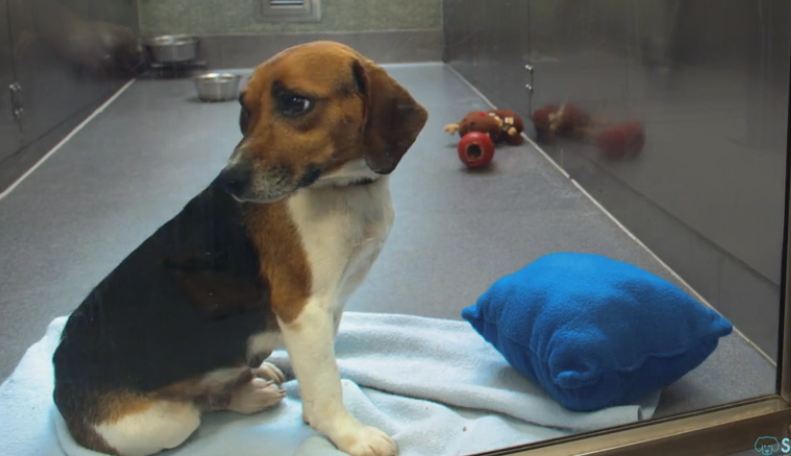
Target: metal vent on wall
(291, 10)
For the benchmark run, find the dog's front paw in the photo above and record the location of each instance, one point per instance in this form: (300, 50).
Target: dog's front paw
(256, 395)
(367, 441)
(269, 371)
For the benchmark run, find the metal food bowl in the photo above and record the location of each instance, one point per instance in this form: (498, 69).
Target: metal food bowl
(217, 86)
(173, 48)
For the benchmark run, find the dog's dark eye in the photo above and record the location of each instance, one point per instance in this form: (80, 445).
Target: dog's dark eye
(293, 105)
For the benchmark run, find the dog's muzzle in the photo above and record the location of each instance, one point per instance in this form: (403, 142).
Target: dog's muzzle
(236, 179)
(247, 183)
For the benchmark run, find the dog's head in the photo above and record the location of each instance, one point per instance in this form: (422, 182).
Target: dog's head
(314, 113)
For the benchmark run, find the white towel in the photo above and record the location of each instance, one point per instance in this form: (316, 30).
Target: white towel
(434, 385)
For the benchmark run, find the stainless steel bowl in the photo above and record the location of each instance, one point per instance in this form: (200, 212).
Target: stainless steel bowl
(217, 86)
(173, 48)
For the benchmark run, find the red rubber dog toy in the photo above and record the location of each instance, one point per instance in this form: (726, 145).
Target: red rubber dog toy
(476, 149)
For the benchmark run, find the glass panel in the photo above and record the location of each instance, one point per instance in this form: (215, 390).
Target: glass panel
(10, 139)
(704, 103)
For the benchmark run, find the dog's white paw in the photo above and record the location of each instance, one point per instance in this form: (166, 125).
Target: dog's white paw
(256, 395)
(368, 441)
(269, 371)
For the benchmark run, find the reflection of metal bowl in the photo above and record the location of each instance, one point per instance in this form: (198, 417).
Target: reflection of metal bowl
(217, 86)
(173, 48)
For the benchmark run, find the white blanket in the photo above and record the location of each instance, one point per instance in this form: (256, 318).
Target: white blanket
(434, 385)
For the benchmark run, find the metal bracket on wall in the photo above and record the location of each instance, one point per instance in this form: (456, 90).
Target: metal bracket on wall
(291, 10)
(17, 110)
(530, 87)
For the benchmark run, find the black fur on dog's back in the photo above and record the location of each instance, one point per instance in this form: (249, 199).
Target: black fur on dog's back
(182, 304)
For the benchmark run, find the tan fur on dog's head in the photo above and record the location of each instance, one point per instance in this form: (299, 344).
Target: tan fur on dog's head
(311, 109)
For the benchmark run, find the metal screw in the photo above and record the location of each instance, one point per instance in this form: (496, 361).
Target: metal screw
(16, 100)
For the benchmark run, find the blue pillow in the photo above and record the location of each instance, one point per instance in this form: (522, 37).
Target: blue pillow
(595, 332)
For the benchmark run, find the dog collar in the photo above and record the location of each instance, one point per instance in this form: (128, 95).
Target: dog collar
(361, 182)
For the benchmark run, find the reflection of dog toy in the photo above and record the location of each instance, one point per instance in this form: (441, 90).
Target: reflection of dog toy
(620, 140)
(569, 121)
(502, 125)
(566, 120)
(476, 149)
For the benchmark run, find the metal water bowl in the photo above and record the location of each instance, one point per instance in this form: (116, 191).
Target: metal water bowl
(217, 86)
(172, 48)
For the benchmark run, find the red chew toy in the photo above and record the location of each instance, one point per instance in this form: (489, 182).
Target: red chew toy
(623, 139)
(476, 149)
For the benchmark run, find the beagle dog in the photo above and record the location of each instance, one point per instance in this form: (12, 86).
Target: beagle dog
(268, 253)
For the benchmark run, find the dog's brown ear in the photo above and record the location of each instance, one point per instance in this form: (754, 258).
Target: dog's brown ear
(393, 118)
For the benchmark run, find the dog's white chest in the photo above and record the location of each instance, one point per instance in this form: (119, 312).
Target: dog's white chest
(342, 230)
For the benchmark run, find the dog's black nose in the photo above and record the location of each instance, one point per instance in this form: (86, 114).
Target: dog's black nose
(235, 178)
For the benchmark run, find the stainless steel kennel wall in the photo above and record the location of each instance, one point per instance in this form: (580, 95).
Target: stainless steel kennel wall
(58, 60)
(708, 82)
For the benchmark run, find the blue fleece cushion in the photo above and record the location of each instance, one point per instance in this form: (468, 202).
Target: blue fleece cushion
(595, 332)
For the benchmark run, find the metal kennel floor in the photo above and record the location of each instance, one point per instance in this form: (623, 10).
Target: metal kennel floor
(139, 161)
